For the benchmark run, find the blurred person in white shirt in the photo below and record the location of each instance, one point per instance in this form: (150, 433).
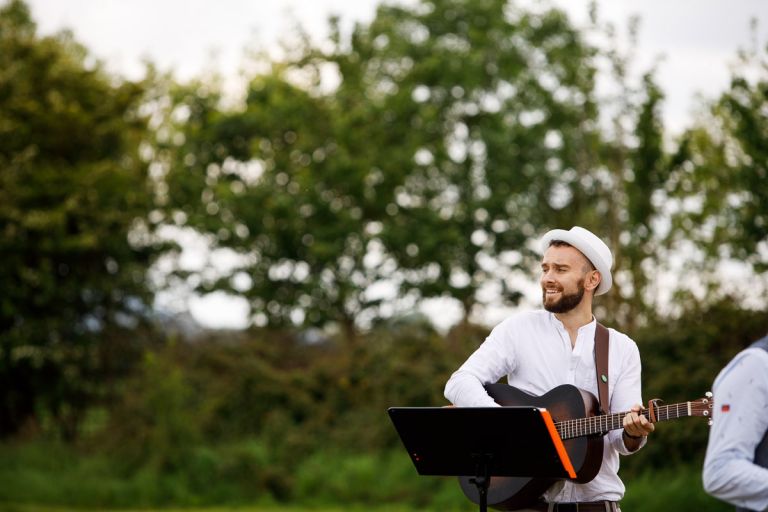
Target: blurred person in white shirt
(736, 464)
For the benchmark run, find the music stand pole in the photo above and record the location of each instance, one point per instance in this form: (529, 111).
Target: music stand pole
(482, 480)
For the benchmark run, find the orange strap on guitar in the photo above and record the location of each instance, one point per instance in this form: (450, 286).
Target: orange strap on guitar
(601, 366)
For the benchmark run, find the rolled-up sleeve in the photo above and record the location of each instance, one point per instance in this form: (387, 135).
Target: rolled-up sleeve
(627, 391)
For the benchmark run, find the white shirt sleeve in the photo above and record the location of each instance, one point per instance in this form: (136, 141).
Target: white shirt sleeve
(491, 361)
(740, 420)
(626, 393)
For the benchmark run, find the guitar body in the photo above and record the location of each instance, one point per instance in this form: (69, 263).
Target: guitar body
(586, 453)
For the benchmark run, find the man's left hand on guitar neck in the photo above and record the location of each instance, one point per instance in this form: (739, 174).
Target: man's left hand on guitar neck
(636, 427)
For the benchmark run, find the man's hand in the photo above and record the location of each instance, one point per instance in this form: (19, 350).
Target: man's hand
(636, 427)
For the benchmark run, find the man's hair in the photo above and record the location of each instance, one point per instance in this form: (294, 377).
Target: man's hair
(559, 243)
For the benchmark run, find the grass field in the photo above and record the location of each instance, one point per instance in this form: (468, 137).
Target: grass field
(48, 478)
(6, 507)
(669, 490)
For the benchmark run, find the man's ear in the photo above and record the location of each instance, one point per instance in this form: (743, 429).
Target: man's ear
(593, 280)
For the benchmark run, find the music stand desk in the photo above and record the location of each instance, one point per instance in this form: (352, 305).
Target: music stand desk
(482, 442)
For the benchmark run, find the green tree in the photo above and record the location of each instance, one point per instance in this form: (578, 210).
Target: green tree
(500, 110)
(421, 171)
(617, 184)
(630, 195)
(720, 174)
(73, 191)
(279, 184)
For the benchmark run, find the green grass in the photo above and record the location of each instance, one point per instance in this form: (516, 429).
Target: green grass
(7, 507)
(52, 478)
(670, 489)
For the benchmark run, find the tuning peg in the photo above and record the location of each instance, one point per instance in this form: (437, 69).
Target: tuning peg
(709, 422)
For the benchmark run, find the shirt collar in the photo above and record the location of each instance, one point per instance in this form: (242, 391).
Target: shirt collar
(591, 326)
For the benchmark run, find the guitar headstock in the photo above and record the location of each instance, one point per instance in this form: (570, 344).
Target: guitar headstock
(703, 406)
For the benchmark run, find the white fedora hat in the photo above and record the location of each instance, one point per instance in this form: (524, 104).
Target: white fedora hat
(590, 246)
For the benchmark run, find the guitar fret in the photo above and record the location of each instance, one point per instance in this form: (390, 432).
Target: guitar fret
(604, 423)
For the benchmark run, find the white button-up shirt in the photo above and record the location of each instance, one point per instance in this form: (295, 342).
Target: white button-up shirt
(740, 420)
(533, 349)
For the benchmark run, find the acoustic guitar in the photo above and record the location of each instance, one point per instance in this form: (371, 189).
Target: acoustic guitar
(577, 420)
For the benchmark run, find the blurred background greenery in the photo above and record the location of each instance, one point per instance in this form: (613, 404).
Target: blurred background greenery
(416, 157)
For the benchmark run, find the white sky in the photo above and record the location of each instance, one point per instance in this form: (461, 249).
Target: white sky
(697, 39)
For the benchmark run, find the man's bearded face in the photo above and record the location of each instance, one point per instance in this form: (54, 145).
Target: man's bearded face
(557, 300)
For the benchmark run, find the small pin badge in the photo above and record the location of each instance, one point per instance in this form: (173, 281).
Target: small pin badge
(604, 378)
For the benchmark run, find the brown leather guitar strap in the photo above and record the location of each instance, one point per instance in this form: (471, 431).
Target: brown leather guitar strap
(601, 366)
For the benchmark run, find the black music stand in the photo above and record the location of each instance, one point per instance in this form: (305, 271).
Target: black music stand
(482, 442)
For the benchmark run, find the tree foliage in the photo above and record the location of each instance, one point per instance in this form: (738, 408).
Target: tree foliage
(421, 173)
(501, 106)
(416, 156)
(722, 168)
(72, 188)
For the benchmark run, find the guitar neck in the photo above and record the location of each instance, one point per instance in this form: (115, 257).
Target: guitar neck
(600, 424)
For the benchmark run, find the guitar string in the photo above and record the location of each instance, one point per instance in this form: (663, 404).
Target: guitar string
(603, 423)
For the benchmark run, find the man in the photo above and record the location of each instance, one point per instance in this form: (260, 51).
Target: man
(540, 350)
(736, 464)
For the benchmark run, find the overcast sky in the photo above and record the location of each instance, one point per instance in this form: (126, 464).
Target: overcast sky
(697, 39)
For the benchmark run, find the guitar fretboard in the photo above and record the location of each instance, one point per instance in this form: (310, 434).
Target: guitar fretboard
(600, 424)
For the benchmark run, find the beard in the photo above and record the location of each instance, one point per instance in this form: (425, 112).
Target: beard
(567, 301)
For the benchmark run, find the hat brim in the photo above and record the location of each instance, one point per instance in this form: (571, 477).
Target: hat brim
(606, 279)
